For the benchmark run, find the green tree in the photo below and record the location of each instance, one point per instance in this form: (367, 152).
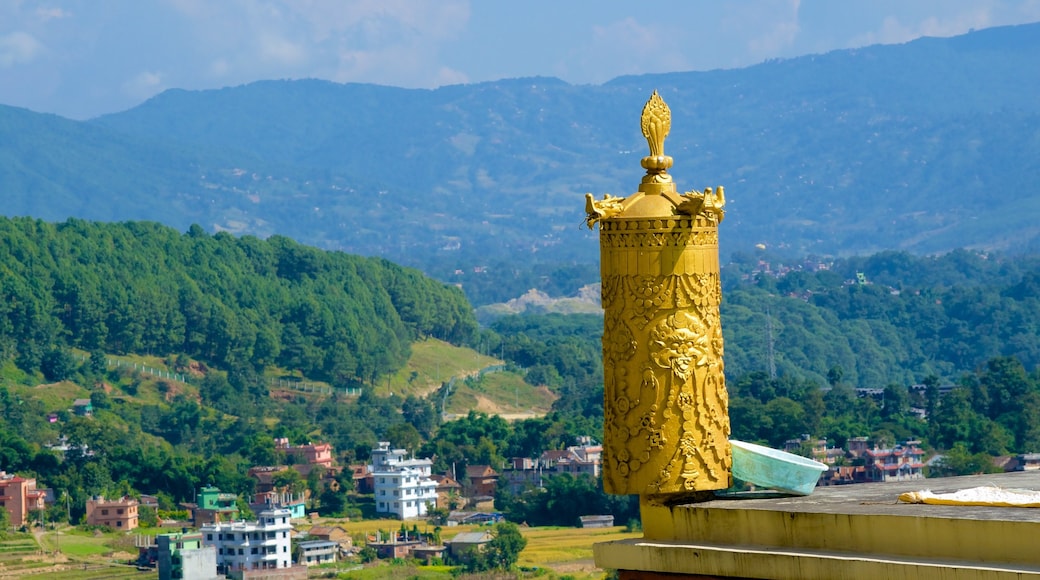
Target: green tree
(960, 461)
(289, 480)
(503, 551)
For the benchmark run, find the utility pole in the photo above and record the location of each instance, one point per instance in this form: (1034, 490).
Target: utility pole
(769, 344)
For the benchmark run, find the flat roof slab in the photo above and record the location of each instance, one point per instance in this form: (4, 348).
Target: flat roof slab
(859, 530)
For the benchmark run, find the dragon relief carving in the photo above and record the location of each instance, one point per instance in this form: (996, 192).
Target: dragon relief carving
(680, 391)
(601, 209)
(707, 203)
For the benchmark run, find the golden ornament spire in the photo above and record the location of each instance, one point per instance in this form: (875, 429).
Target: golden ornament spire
(656, 122)
(666, 415)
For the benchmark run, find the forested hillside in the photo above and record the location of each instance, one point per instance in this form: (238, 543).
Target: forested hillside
(241, 304)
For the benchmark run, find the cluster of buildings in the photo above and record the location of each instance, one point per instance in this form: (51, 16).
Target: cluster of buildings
(237, 549)
(864, 461)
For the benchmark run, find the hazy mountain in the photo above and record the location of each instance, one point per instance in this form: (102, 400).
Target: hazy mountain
(924, 146)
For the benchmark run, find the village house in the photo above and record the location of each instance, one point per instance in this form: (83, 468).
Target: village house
(818, 449)
(82, 407)
(449, 492)
(247, 547)
(309, 454)
(899, 463)
(402, 487)
(362, 476)
(295, 503)
(19, 496)
(181, 555)
(396, 546)
(577, 460)
(316, 552)
(1025, 462)
(332, 534)
(464, 545)
(118, 514)
(481, 481)
(211, 505)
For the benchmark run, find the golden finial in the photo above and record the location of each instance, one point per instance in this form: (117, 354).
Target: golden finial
(656, 122)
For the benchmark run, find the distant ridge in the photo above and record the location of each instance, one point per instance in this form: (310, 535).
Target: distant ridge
(924, 146)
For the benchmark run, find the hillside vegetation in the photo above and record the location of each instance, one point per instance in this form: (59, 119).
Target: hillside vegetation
(241, 304)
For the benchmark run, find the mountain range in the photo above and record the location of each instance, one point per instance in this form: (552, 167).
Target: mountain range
(925, 146)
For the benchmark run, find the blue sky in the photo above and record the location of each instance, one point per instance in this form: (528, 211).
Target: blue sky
(82, 58)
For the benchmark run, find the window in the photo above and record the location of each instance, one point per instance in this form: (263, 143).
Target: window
(119, 511)
(209, 537)
(240, 551)
(119, 524)
(104, 512)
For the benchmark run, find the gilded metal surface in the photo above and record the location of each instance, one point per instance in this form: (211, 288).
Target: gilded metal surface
(666, 413)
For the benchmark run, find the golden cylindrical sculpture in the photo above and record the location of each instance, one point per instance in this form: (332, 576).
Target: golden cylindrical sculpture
(666, 418)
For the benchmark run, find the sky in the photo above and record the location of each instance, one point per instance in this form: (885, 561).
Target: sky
(84, 58)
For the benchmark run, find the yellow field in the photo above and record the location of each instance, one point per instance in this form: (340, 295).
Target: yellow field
(565, 551)
(568, 550)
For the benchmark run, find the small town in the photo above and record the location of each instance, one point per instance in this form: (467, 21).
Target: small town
(466, 290)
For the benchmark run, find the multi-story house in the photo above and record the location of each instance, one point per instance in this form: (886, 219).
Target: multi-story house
(900, 463)
(818, 449)
(119, 514)
(316, 552)
(403, 487)
(310, 454)
(19, 496)
(577, 460)
(481, 481)
(244, 546)
(181, 556)
(212, 505)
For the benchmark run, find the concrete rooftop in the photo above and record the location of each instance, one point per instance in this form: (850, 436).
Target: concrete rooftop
(851, 531)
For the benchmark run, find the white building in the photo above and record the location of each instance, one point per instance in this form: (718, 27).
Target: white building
(260, 545)
(402, 486)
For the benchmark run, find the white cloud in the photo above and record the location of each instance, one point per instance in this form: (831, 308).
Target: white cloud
(281, 51)
(144, 85)
(381, 41)
(449, 76)
(780, 21)
(895, 31)
(46, 14)
(18, 48)
(624, 46)
(219, 67)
